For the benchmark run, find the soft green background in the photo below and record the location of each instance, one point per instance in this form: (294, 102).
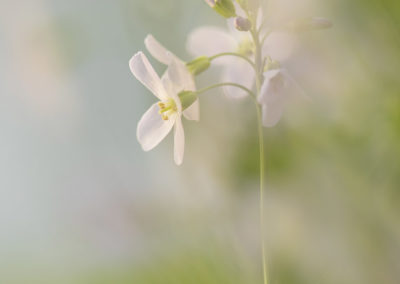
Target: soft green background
(81, 203)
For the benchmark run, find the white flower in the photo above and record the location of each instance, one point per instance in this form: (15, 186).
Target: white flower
(162, 116)
(164, 56)
(210, 41)
(275, 92)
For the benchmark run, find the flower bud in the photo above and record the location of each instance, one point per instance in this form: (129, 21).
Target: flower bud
(187, 98)
(223, 7)
(308, 24)
(242, 24)
(199, 65)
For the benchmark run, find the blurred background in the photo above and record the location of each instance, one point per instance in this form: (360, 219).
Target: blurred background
(81, 203)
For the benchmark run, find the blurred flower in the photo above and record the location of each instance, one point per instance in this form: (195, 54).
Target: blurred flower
(164, 56)
(275, 92)
(273, 97)
(210, 41)
(158, 121)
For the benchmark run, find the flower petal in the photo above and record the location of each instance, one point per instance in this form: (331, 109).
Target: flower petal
(279, 45)
(158, 51)
(193, 112)
(269, 89)
(240, 72)
(294, 87)
(179, 141)
(209, 41)
(175, 80)
(152, 129)
(178, 78)
(272, 113)
(273, 97)
(168, 85)
(144, 72)
(172, 89)
(180, 75)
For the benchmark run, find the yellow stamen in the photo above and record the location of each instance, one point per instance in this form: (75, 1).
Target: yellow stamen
(167, 108)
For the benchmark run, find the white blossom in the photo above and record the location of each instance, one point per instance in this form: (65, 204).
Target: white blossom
(166, 114)
(209, 41)
(166, 57)
(276, 91)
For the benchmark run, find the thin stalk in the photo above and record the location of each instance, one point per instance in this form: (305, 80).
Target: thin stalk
(262, 170)
(234, 54)
(227, 84)
(259, 62)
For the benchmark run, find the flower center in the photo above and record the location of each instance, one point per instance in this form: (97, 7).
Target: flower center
(246, 47)
(167, 108)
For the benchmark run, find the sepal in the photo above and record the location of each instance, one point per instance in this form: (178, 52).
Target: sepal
(198, 65)
(187, 98)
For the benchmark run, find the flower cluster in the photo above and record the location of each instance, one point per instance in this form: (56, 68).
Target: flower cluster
(251, 54)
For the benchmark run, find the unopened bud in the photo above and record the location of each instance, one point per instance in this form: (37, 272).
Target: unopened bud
(187, 98)
(242, 24)
(223, 7)
(309, 24)
(199, 65)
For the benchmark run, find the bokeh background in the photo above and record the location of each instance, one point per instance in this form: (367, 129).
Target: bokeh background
(81, 203)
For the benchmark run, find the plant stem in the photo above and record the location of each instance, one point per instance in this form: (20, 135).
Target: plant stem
(227, 84)
(234, 54)
(259, 64)
(262, 169)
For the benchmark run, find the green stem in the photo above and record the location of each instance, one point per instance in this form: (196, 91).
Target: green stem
(262, 170)
(233, 54)
(259, 64)
(226, 84)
